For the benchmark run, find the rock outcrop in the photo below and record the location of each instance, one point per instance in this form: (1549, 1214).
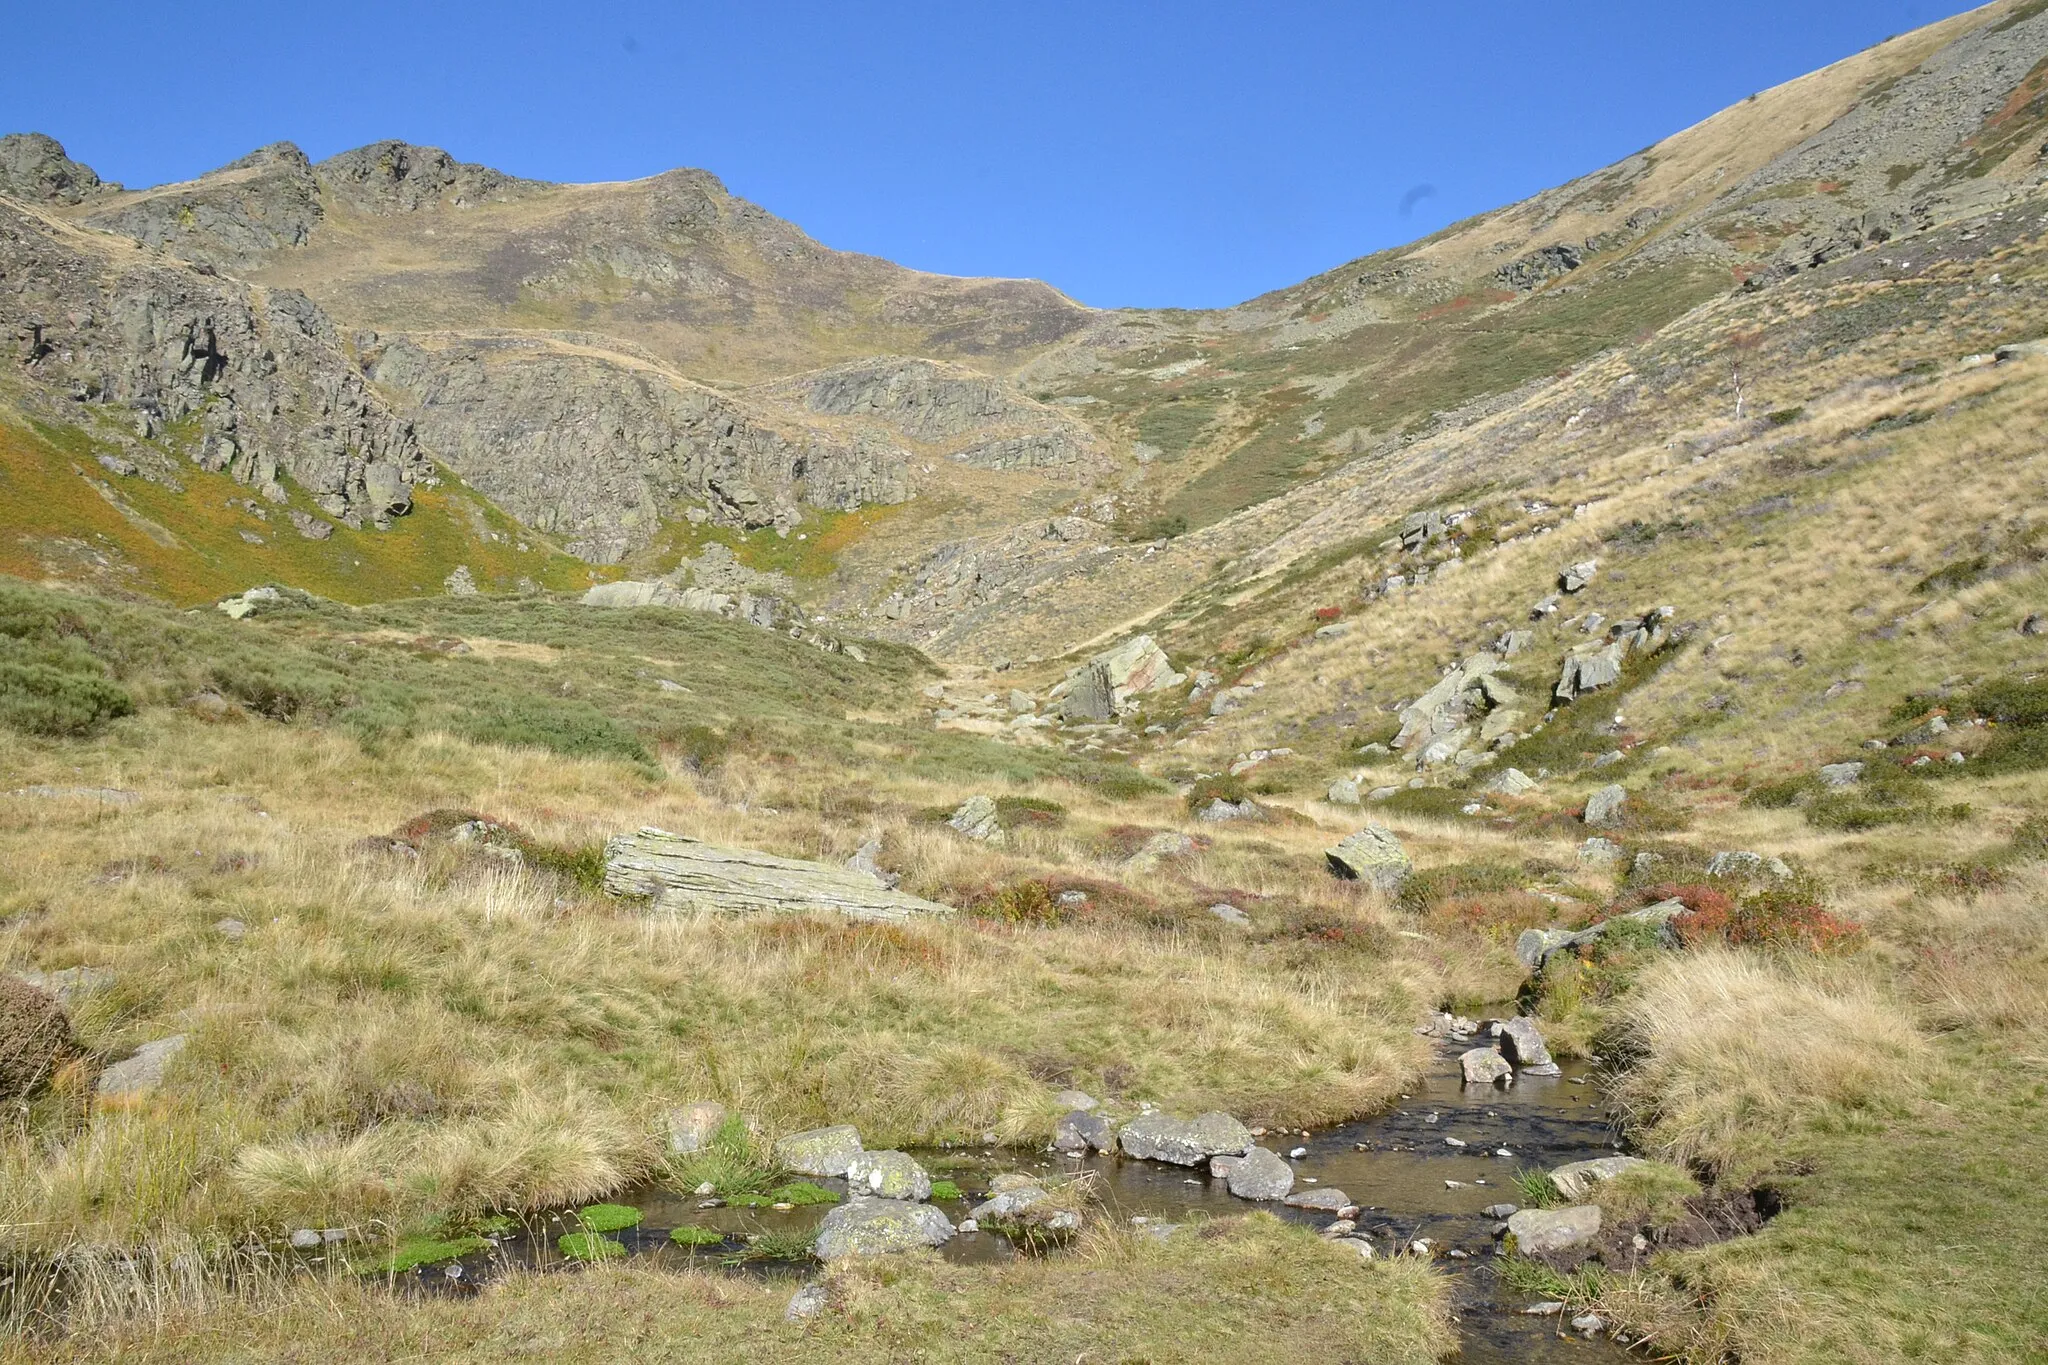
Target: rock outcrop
(34, 168)
(679, 873)
(258, 384)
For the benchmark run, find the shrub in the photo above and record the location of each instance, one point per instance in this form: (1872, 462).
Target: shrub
(1428, 887)
(574, 729)
(37, 699)
(1782, 917)
(1014, 811)
(1025, 902)
(1220, 787)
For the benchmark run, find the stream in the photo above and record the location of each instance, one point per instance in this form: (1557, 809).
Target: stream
(1394, 1166)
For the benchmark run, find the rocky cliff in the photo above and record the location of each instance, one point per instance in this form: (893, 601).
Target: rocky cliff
(251, 381)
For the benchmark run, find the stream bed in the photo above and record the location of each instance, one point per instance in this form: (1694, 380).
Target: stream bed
(1394, 1166)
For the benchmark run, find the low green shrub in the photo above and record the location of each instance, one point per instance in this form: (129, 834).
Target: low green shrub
(37, 699)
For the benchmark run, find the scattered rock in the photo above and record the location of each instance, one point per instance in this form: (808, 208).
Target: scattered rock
(1522, 1043)
(819, 1151)
(1575, 1180)
(1535, 946)
(1373, 855)
(233, 930)
(1219, 810)
(1575, 578)
(1259, 1174)
(1077, 1099)
(1082, 1131)
(1741, 863)
(1183, 1142)
(1165, 844)
(1543, 1232)
(1510, 782)
(70, 985)
(1343, 792)
(1601, 852)
(1484, 1066)
(1840, 775)
(807, 1303)
(888, 1175)
(106, 796)
(1498, 1212)
(143, 1072)
(1588, 672)
(976, 818)
(690, 1128)
(864, 860)
(879, 1227)
(1323, 1199)
(1592, 1324)
(1230, 914)
(1604, 808)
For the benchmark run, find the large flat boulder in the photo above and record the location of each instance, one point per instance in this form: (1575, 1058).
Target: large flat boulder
(1545, 1232)
(1184, 1142)
(878, 1227)
(1373, 855)
(680, 873)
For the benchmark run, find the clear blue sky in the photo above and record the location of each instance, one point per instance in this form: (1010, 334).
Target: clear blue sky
(1191, 154)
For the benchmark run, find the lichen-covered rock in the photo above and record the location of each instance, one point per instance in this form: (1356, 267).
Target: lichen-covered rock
(1545, 1232)
(34, 168)
(1374, 856)
(1323, 1199)
(1484, 1066)
(976, 818)
(888, 1175)
(1259, 1174)
(1576, 1179)
(1184, 1142)
(880, 1227)
(680, 873)
(819, 1151)
(35, 1038)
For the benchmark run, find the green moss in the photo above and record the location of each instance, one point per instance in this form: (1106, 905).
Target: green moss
(691, 1236)
(607, 1217)
(414, 1252)
(801, 1193)
(945, 1191)
(588, 1246)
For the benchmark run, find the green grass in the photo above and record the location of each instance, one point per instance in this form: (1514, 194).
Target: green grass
(414, 1252)
(589, 1246)
(776, 1244)
(945, 1191)
(1535, 1190)
(690, 1236)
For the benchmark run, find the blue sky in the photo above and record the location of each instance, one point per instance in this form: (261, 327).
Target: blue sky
(1190, 154)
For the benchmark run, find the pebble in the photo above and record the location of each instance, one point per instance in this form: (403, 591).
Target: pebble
(1592, 1324)
(707, 1188)
(1544, 1309)
(1454, 1142)
(1455, 1185)
(1343, 1227)
(1298, 1153)
(968, 1225)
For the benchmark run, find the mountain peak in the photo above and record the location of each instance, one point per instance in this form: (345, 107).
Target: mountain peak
(33, 167)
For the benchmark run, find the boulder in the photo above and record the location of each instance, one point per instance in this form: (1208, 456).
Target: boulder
(1373, 855)
(866, 861)
(1219, 810)
(1022, 1206)
(1484, 1066)
(1343, 792)
(1510, 782)
(681, 874)
(879, 1227)
(1535, 946)
(1544, 1232)
(1588, 672)
(1082, 1131)
(1745, 864)
(1089, 699)
(976, 818)
(1575, 578)
(1231, 915)
(819, 1151)
(1576, 1179)
(1163, 845)
(1601, 852)
(1260, 1174)
(1135, 667)
(1077, 1099)
(35, 1038)
(691, 1127)
(1323, 1199)
(633, 593)
(1521, 1042)
(142, 1073)
(1183, 1142)
(1840, 775)
(806, 1303)
(888, 1175)
(1604, 807)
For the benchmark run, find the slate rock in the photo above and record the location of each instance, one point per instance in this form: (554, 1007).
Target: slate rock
(1183, 1142)
(1510, 782)
(1840, 775)
(143, 1072)
(976, 818)
(1343, 792)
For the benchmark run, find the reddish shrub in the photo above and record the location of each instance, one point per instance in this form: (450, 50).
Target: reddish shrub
(1783, 919)
(1328, 613)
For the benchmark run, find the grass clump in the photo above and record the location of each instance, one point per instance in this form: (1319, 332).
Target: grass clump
(732, 1163)
(1534, 1189)
(776, 1244)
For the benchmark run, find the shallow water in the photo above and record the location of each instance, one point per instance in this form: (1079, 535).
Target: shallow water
(1394, 1166)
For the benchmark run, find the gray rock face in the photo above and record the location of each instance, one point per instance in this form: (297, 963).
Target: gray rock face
(1083, 1131)
(1589, 672)
(807, 1303)
(1543, 1232)
(1231, 915)
(888, 1175)
(976, 818)
(1522, 1043)
(1535, 946)
(1601, 852)
(593, 449)
(396, 177)
(1541, 266)
(34, 168)
(1089, 699)
(1575, 1179)
(819, 1151)
(273, 390)
(879, 1227)
(679, 873)
(1374, 856)
(142, 1073)
(1219, 811)
(1260, 1174)
(1510, 782)
(1184, 1142)
(233, 217)
(1484, 1066)
(1604, 807)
